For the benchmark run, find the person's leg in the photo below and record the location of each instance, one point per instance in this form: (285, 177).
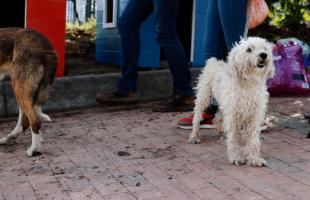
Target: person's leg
(233, 19)
(225, 25)
(165, 20)
(214, 46)
(129, 25)
(214, 39)
(167, 37)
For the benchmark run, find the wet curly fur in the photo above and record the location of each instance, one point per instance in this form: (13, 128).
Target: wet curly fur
(239, 86)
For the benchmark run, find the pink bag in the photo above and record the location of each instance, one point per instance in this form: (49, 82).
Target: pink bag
(290, 76)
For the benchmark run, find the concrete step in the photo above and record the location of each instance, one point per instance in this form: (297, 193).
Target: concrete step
(79, 91)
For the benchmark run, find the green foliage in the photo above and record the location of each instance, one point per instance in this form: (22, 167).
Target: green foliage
(288, 13)
(84, 31)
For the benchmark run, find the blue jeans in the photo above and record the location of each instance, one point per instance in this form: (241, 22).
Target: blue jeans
(165, 25)
(225, 23)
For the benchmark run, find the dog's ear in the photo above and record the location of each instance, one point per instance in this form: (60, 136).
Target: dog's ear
(235, 62)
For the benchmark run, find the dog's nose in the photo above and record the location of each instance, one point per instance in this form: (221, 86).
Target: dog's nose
(263, 55)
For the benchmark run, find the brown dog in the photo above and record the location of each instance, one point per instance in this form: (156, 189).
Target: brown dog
(30, 60)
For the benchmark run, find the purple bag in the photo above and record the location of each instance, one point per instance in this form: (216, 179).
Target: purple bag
(290, 76)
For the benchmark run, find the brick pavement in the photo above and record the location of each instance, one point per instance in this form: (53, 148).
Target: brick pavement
(137, 154)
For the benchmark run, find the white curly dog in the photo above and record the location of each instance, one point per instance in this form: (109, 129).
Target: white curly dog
(239, 86)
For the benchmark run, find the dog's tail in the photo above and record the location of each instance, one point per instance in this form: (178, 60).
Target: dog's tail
(203, 88)
(202, 101)
(49, 64)
(202, 79)
(212, 61)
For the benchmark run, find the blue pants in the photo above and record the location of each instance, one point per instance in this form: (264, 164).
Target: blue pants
(165, 25)
(225, 23)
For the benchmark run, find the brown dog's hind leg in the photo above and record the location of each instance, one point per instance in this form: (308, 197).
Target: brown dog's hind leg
(19, 128)
(23, 92)
(25, 122)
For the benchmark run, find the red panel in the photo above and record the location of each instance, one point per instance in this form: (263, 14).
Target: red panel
(49, 18)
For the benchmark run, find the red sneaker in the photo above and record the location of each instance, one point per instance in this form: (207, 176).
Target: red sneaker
(206, 122)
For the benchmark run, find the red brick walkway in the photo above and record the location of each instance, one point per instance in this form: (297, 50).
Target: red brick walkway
(137, 154)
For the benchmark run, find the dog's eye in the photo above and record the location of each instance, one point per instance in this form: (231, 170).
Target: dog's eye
(249, 50)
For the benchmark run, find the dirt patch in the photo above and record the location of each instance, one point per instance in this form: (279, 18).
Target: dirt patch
(158, 152)
(123, 153)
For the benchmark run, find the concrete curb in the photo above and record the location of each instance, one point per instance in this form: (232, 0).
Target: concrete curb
(79, 91)
(2, 102)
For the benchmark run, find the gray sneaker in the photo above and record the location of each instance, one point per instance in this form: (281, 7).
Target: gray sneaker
(116, 98)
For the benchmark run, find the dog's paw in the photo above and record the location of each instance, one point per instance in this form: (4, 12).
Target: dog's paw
(194, 140)
(256, 162)
(32, 152)
(7, 140)
(4, 141)
(237, 162)
(36, 144)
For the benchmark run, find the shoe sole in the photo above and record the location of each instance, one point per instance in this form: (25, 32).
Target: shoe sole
(204, 126)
